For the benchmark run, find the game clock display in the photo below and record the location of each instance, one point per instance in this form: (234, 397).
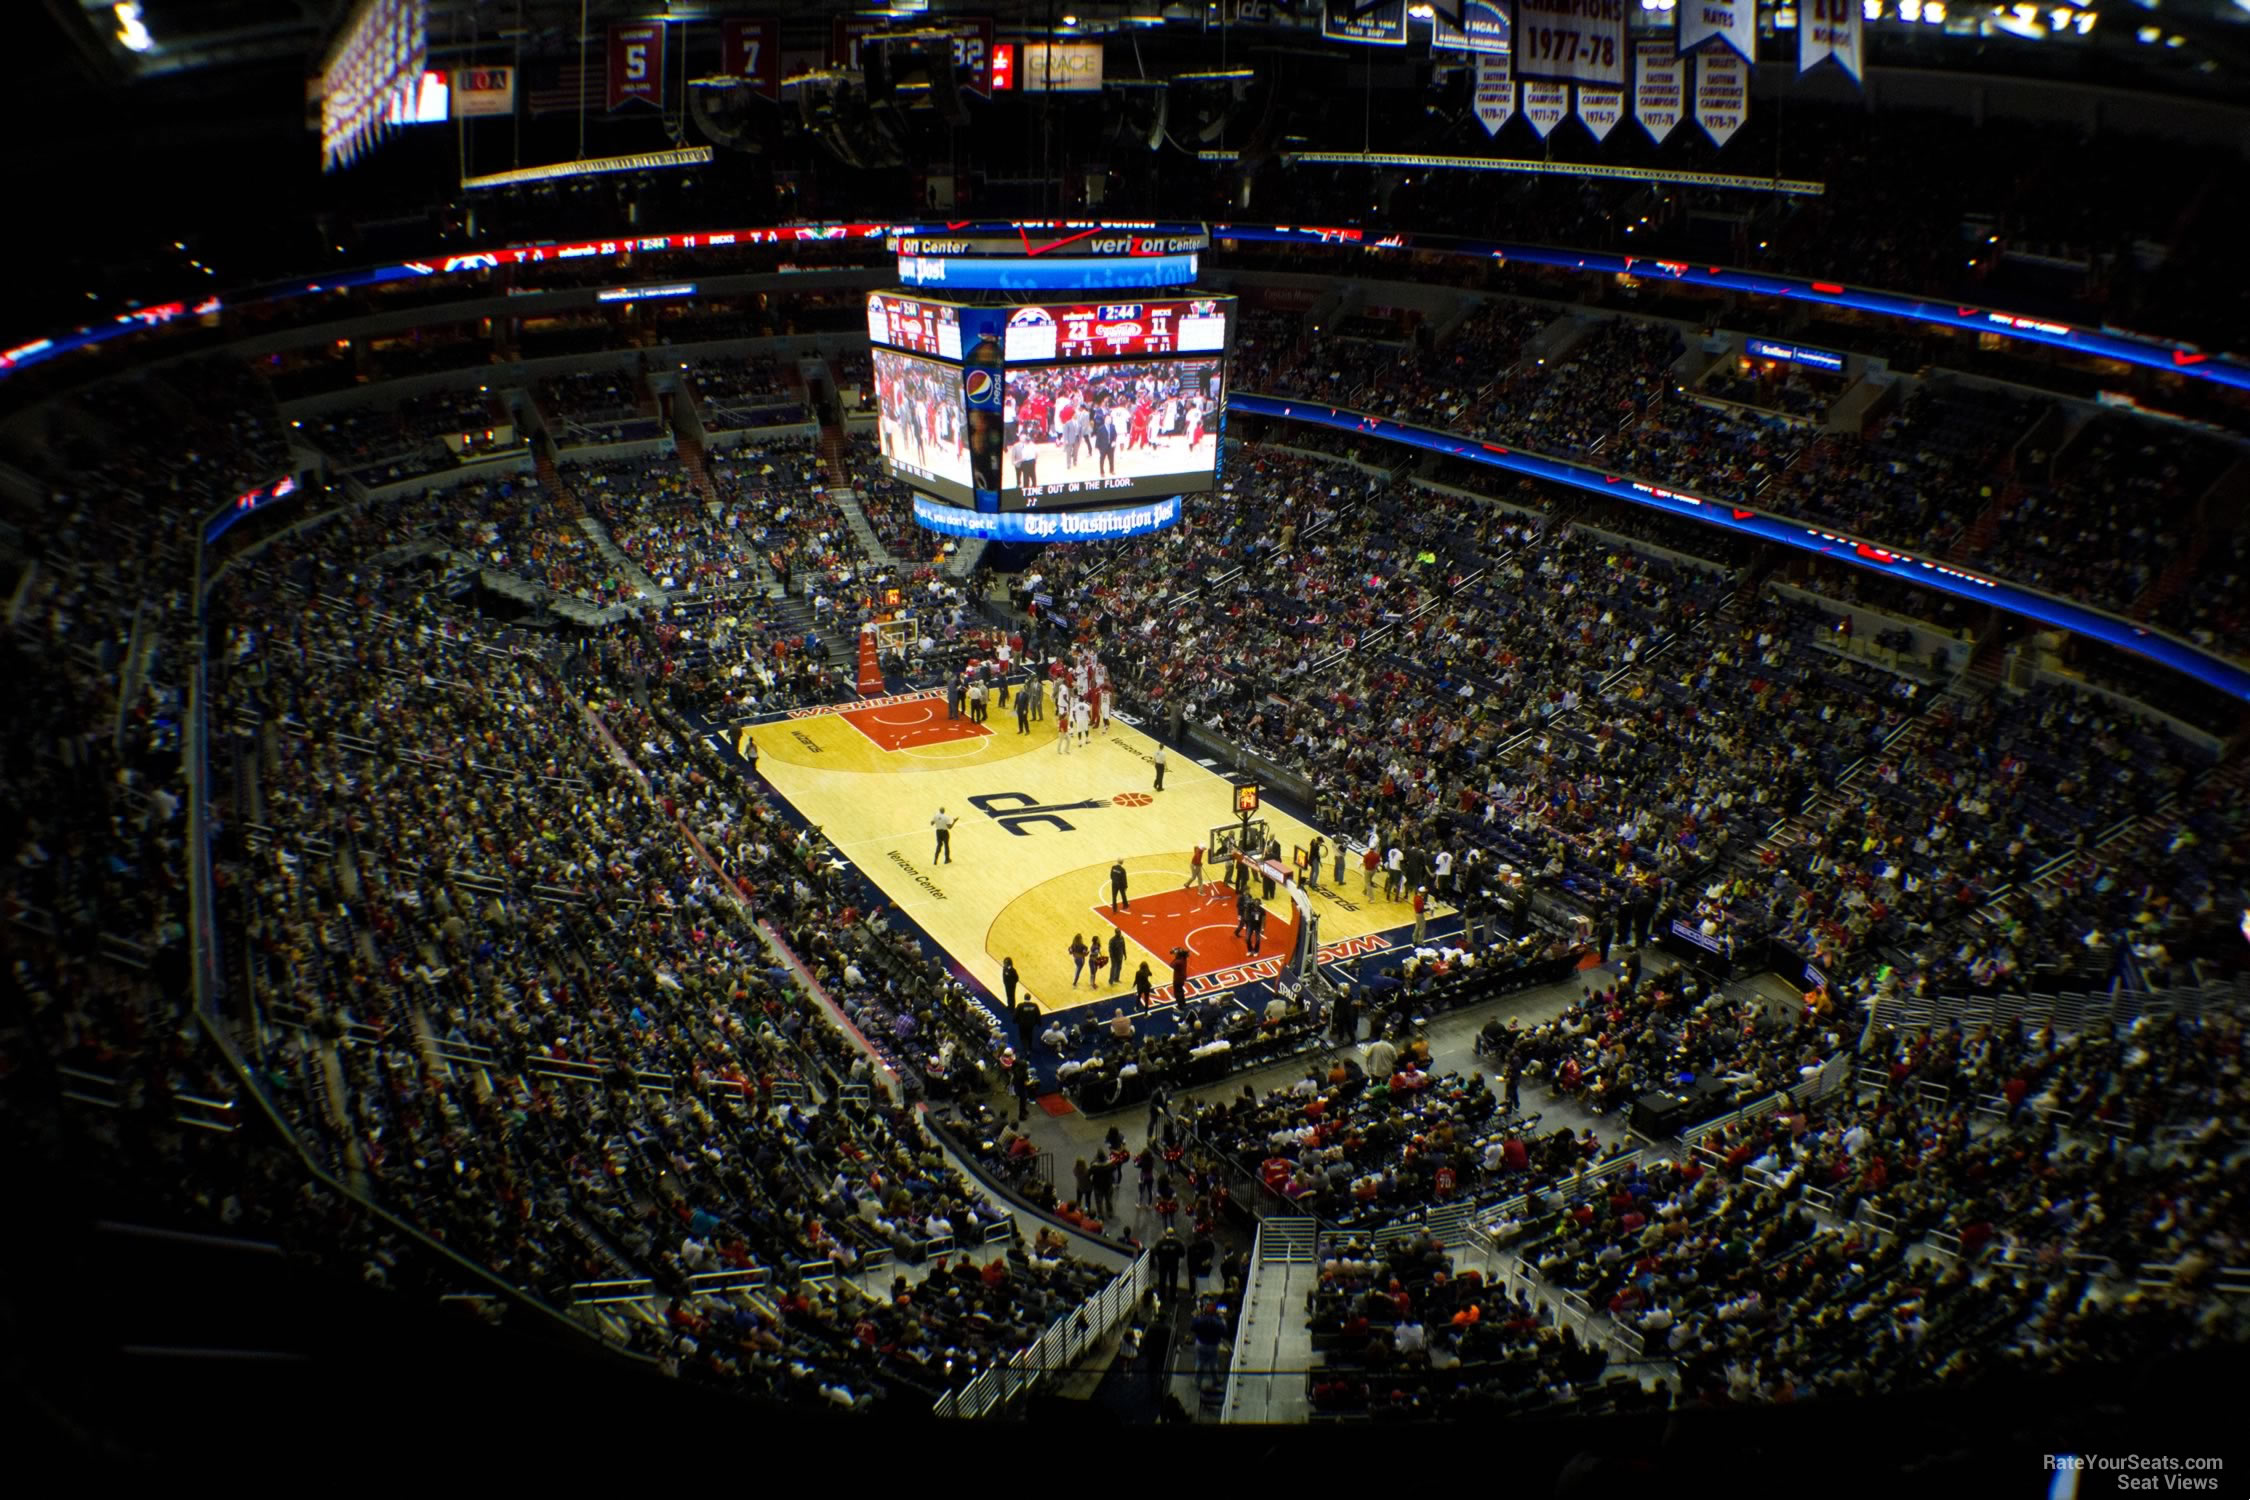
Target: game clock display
(1116, 330)
(914, 325)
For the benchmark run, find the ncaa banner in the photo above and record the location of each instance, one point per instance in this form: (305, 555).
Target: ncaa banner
(1483, 27)
(1495, 96)
(1570, 41)
(1545, 105)
(636, 64)
(1599, 110)
(1722, 95)
(1734, 22)
(753, 53)
(1657, 102)
(1829, 28)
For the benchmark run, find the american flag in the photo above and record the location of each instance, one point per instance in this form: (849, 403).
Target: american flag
(560, 91)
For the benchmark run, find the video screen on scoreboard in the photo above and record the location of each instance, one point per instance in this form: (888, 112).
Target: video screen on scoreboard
(919, 424)
(1089, 434)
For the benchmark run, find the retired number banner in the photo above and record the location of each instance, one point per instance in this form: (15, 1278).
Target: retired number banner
(1722, 95)
(1734, 22)
(1657, 103)
(1496, 91)
(1570, 41)
(1545, 105)
(753, 54)
(636, 65)
(1829, 28)
(1599, 110)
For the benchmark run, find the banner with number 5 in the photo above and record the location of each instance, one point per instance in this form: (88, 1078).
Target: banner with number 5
(1571, 41)
(636, 64)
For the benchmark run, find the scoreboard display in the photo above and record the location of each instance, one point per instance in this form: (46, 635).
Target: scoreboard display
(1008, 405)
(1116, 330)
(932, 328)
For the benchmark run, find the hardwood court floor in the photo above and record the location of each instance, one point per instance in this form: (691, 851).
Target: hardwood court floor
(1036, 832)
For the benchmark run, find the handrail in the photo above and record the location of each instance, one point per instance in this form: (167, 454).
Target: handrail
(1230, 1402)
(1065, 1341)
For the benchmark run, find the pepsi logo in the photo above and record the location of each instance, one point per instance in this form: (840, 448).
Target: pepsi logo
(978, 383)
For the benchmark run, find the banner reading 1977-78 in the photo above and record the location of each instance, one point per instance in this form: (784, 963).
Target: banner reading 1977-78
(1570, 41)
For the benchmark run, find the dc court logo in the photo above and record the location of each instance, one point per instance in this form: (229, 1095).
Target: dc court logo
(1018, 812)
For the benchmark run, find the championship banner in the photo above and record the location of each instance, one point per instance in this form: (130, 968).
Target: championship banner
(1599, 110)
(1495, 97)
(1483, 28)
(1380, 23)
(1570, 41)
(1545, 105)
(1734, 22)
(1722, 95)
(636, 64)
(1829, 28)
(753, 53)
(1656, 91)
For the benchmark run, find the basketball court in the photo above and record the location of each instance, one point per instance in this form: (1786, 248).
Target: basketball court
(1036, 830)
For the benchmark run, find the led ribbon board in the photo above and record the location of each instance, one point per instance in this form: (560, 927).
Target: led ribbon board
(1047, 274)
(2108, 343)
(1048, 526)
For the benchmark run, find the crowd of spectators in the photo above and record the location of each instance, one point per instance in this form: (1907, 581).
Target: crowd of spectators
(385, 444)
(1401, 1335)
(564, 1048)
(1265, 340)
(1610, 1047)
(888, 505)
(1791, 390)
(2122, 504)
(748, 390)
(597, 406)
(505, 987)
(1922, 475)
(1990, 1204)
(2210, 606)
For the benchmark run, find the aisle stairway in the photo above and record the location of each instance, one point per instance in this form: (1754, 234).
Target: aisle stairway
(846, 500)
(626, 568)
(1786, 833)
(690, 451)
(559, 494)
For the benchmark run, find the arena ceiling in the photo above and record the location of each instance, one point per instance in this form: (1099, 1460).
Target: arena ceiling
(188, 128)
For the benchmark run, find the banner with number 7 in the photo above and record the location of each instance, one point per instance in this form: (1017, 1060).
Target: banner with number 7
(753, 54)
